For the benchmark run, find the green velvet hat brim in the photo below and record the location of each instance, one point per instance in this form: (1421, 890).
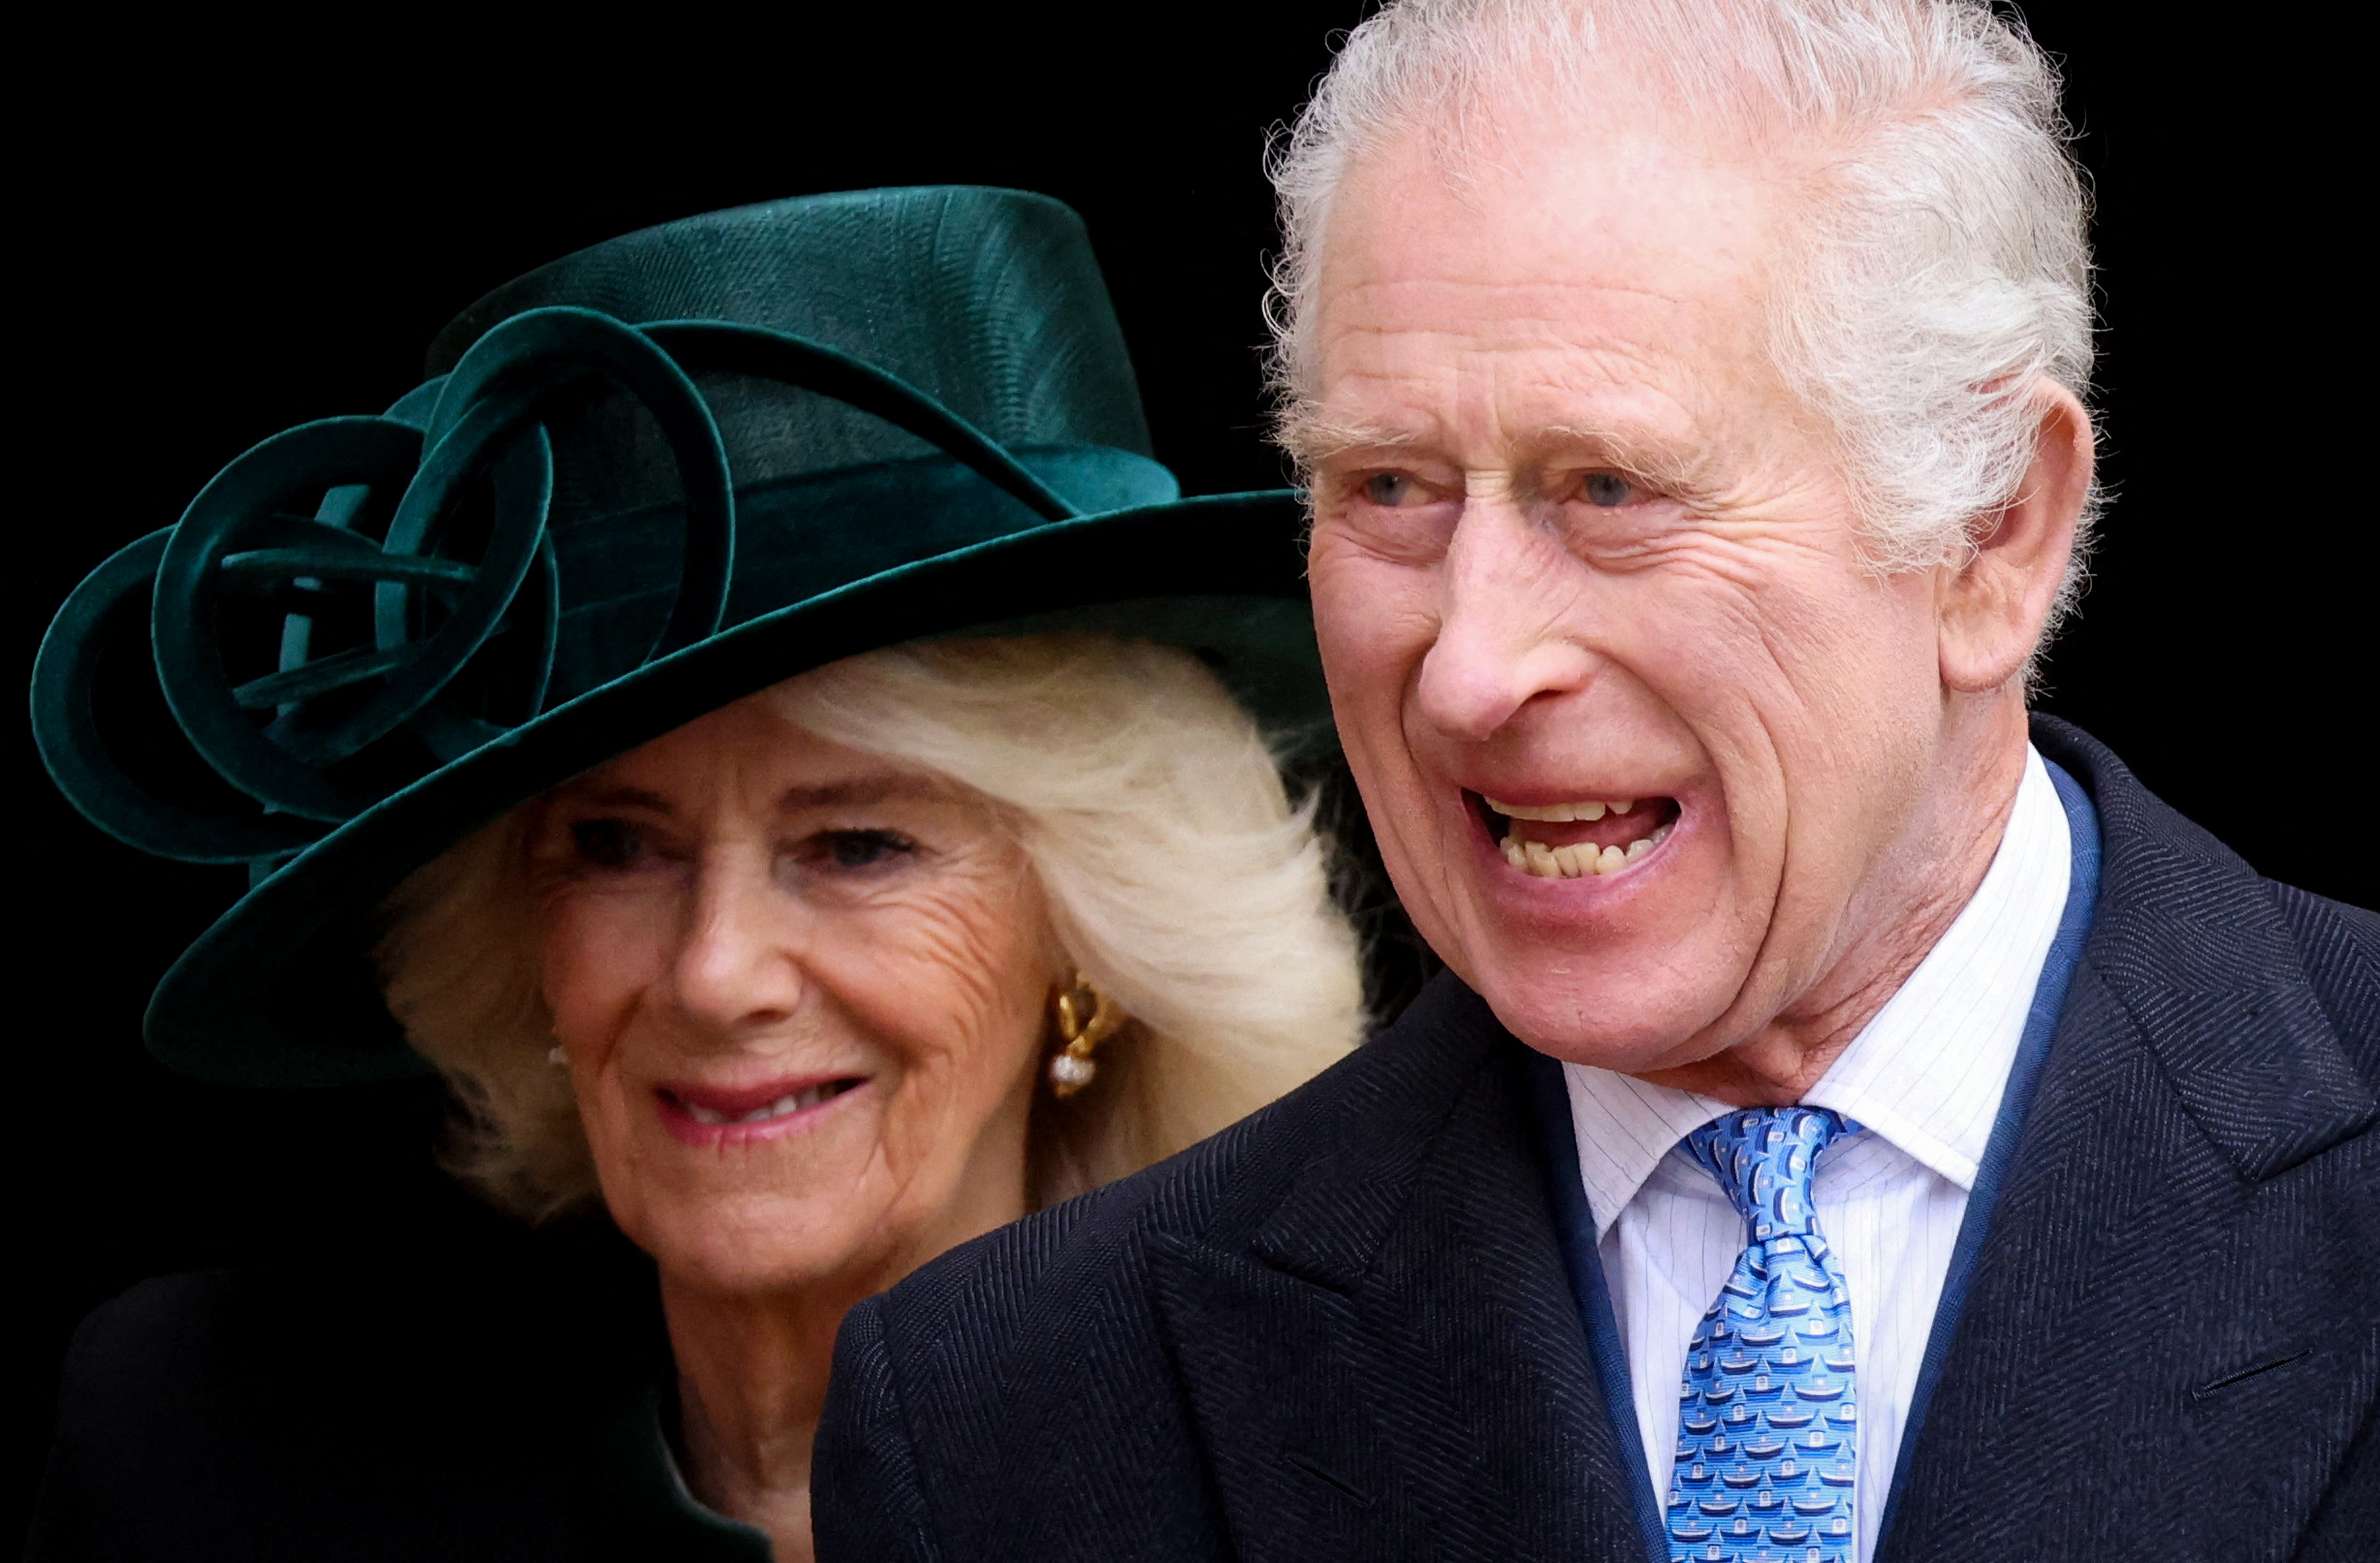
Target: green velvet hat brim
(281, 990)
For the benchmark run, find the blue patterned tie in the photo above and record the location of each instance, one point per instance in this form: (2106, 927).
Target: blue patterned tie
(1768, 1438)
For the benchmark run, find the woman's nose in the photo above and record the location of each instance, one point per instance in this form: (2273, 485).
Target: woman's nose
(1503, 639)
(737, 969)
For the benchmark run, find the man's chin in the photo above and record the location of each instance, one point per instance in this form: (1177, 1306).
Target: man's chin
(1629, 1027)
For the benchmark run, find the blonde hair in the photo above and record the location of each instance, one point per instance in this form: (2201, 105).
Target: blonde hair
(1179, 876)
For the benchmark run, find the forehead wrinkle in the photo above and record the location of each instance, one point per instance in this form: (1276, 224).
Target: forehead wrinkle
(1376, 319)
(1544, 361)
(1545, 341)
(1553, 277)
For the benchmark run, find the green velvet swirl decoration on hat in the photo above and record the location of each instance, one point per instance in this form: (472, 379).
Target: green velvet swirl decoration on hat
(642, 482)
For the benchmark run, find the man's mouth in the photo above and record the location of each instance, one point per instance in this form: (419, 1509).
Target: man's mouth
(1578, 840)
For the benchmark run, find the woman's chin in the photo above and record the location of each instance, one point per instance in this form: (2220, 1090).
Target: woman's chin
(763, 1241)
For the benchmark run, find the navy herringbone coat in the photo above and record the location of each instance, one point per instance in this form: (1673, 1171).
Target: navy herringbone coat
(1342, 1329)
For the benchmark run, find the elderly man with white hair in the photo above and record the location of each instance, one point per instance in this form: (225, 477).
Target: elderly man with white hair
(1857, 1121)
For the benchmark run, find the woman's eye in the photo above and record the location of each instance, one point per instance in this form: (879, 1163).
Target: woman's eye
(862, 848)
(1390, 490)
(1608, 490)
(608, 843)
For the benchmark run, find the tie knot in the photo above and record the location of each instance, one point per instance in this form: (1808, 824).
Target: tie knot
(1765, 1158)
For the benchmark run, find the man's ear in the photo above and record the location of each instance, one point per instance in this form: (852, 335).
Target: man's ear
(1992, 608)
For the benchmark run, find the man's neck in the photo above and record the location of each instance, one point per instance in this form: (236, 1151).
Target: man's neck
(1900, 914)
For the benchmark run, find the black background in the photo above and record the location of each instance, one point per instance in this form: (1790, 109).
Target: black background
(221, 235)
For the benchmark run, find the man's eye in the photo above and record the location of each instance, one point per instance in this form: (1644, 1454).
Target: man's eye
(862, 848)
(608, 843)
(1609, 488)
(1390, 490)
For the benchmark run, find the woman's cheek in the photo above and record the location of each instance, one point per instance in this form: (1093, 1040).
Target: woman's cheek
(957, 997)
(594, 962)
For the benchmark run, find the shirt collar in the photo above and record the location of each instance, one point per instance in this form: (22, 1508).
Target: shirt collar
(1927, 1073)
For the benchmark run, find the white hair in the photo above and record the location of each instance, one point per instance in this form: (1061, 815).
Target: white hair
(1179, 876)
(1939, 277)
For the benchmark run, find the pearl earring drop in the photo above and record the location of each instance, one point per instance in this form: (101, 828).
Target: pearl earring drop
(1086, 1018)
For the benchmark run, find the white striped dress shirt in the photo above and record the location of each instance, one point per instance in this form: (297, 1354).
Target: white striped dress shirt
(1924, 1076)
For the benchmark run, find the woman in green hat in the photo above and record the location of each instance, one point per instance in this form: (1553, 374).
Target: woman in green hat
(758, 723)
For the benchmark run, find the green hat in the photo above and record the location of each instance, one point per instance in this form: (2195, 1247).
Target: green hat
(645, 481)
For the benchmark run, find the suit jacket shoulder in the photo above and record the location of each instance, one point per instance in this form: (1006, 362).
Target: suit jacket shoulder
(2262, 1002)
(2170, 1342)
(2340, 947)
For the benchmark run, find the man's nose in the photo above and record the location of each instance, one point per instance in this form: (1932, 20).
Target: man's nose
(737, 968)
(1507, 590)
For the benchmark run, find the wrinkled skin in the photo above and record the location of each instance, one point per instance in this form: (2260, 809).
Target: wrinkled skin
(1574, 539)
(741, 911)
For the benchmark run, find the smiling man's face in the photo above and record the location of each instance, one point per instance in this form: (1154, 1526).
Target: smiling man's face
(1577, 547)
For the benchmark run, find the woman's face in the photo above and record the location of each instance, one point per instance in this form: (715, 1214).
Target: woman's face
(802, 991)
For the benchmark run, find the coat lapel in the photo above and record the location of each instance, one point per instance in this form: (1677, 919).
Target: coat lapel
(2167, 1340)
(2015, 1102)
(1388, 1363)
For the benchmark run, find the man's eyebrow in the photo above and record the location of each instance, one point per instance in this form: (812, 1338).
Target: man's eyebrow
(1311, 436)
(1665, 462)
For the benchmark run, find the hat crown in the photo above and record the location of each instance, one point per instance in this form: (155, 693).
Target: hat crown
(623, 455)
(989, 300)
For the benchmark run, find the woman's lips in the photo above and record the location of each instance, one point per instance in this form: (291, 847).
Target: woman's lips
(705, 1115)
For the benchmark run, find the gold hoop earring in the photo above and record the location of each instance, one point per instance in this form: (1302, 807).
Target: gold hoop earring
(1086, 1018)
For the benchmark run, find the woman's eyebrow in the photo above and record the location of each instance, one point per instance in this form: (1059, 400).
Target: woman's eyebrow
(620, 798)
(860, 790)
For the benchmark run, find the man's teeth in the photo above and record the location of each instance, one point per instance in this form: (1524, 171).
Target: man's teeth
(793, 1101)
(1543, 862)
(1562, 813)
